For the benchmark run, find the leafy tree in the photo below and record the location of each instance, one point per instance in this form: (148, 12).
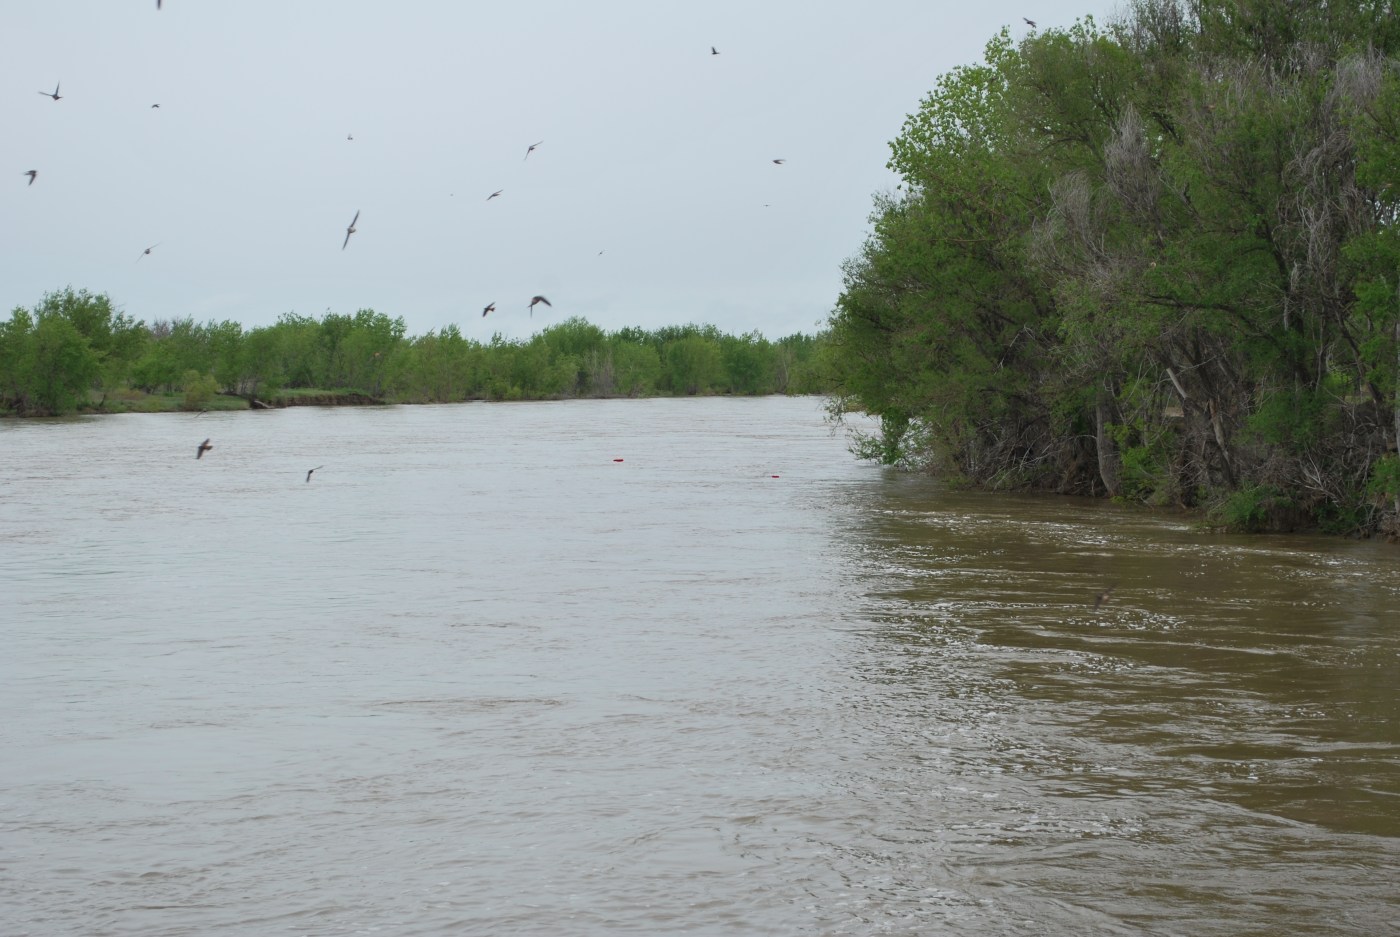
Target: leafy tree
(748, 363)
(693, 364)
(1156, 260)
(61, 366)
(636, 367)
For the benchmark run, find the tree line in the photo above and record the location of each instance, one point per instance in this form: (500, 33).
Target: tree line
(75, 350)
(1157, 260)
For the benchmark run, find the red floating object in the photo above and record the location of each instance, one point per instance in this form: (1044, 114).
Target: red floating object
(617, 460)
(775, 476)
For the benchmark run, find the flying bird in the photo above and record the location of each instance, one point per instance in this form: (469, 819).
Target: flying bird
(539, 299)
(714, 51)
(779, 162)
(494, 194)
(147, 251)
(203, 448)
(350, 230)
(309, 471)
(490, 308)
(531, 148)
(1102, 597)
(1030, 23)
(155, 105)
(157, 4)
(54, 93)
(349, 136)
(32, 174)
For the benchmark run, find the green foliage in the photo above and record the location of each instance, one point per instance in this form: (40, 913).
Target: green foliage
(1159, 258)
(199, 389)
(63, 366)
(1384, 482)
(54, 358)
(1250, 509)
(693, 365)
(1294, 420)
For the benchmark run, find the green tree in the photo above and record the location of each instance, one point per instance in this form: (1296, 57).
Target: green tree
(61, 368)
(693, 365)
(748, 363)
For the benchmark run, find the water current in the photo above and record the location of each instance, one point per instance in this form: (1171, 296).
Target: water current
(663, 666)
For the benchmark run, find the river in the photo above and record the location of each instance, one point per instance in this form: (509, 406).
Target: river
(663, 666)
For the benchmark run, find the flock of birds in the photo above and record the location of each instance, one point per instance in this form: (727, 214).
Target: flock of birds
(351, 228)
(1099, 600)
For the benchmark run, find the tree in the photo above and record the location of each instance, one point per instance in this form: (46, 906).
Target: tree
(61, 366)
(1156, 260)
(693, 364)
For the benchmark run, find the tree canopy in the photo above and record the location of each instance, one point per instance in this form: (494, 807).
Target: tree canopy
(1154, 260)
(75, 350)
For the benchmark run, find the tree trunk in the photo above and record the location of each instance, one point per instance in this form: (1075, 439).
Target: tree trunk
(1397, 383)
(1107, 449)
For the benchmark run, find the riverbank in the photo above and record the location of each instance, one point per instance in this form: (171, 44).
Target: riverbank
(135, 401)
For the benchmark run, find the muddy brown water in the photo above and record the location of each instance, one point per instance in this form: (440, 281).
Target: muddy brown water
(478, 677)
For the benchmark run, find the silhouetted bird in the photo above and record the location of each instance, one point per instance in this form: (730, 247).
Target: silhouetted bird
(54, 93)
(203, 448)
(494, 194)
(350, 230)
(155, 105)
(32, 174)
(489, 308)
(309, 471)
(714, 51)
(779, 162)
(147, 251)
(1030, 23)
(1102, 597)
(531, 148)
(157, 4)
(539, 299)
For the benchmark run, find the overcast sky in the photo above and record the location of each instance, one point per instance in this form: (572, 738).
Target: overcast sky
(652, 200)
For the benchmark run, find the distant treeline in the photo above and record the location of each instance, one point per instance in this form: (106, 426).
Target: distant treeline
(74, 351)
(1158, 260)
